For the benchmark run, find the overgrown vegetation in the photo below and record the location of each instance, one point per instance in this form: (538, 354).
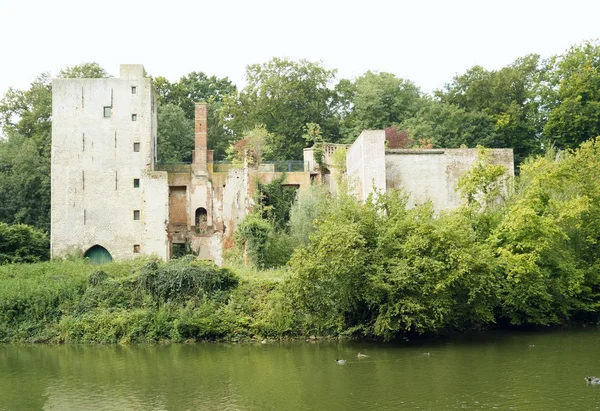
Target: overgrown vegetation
(21, 243)
(382, 270)
(374, 270)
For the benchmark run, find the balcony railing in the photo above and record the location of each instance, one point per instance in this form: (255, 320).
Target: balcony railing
(288, 166)
(174, 167)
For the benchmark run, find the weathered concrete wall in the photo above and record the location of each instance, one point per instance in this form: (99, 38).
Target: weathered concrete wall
(235, 202)
(178, 205)
(94, 165)
(293, 178)
(433, 174)
(155, 209)
(365, 163)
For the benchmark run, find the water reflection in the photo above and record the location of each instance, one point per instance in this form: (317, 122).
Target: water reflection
(525, 371)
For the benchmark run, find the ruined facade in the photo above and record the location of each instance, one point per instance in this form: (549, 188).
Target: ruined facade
(110, 198)
(424, 174)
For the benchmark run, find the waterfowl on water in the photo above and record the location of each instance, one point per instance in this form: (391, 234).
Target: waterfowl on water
(592, 380)
(361, 355)
(340, 362)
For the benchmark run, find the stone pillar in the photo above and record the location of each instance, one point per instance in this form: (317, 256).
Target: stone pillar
(200, 140)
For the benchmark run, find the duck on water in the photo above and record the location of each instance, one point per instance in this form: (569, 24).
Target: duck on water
(592, 380)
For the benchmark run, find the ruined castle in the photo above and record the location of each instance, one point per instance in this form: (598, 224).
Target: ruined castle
(110, 198)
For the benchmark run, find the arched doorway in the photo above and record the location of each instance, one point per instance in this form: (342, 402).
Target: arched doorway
(201, 220)
(98, 255)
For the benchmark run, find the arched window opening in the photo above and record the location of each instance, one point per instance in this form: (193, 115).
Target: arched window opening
(201, 220)
(98, 255)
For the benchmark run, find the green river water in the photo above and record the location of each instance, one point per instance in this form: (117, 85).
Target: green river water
(504, 371)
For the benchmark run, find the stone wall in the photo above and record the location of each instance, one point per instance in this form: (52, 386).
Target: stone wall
(365, 163)
(103, 139)
(432, 174)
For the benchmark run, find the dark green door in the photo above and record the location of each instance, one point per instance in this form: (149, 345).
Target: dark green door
(98, 255)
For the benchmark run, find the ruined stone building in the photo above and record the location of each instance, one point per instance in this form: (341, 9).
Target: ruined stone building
(110, 198)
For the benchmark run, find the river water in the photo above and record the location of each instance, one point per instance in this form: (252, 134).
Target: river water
(504, 371)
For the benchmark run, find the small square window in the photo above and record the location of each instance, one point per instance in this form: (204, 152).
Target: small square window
(136, 147)
(107, 111)
(133, 90)
(136, 248)
(136, 183)
(136, 214)
(134, 117)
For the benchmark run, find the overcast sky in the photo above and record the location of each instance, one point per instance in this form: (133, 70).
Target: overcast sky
(427, 42)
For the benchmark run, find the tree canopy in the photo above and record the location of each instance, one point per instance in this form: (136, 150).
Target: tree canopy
(284, 95)
(194, 87)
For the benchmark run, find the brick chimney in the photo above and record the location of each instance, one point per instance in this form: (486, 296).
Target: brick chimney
(200, 139)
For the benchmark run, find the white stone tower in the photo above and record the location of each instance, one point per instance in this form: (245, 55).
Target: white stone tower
(107, 200)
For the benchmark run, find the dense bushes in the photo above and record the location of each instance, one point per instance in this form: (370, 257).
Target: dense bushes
(185, 278)
(74, 301)
(376, 269)
(381, 270)
(21, 243)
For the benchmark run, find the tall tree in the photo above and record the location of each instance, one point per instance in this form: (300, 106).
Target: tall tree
(188, 90)
(378, 101)
(175, 134)
(508, 97)
(449, 126)
(284, 95)
(84, 70)
(576, 117)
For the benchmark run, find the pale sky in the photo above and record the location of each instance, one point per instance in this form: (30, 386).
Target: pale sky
(427, 42)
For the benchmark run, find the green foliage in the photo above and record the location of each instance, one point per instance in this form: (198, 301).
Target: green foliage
(310, 205)
(20, 243)
(175, 135)
(185, 278)
(84, 70)
(449, 126)
(576, 118)
(508, 98)
(377, 101)
(312, 135)
(252, 237)
(255, 145)
(192, 88)
(546, 244)
(381, 270)
(482, 184)
(24, 183)
(283, 95)
(276, 200)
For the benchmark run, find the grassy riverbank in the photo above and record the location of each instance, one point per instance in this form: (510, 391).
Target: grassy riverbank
(374, 269)
(134, 301)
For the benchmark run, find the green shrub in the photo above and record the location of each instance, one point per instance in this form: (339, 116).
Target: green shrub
(252, 236)
(178, 280)
(21, 243)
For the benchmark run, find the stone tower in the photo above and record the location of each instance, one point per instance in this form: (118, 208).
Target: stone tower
(107, 199)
